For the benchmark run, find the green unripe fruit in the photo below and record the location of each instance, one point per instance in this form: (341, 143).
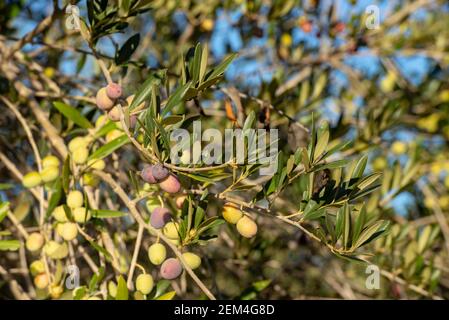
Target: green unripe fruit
(171, 230)
(80, 155)
(41, 281)
(231, 214)
(81, 215)
(192, 260)
(67, 230)
(50, 161)
(247, 227)
(59, 214)
(157, 253)
(96, 164)
(102, 100)
(75, 199)
(56, 250)
(78, 142)
(171, 269)
(49, 174)
(90, 179)
(37, 267)
(112, 289)
(170, 184)
(144, 283)
(31, 179)
(101, 121)
(34, 242)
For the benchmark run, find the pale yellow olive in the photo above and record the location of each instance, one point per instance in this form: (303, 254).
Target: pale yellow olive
(55, 250)
(50, 161)
(81, 215)
(49, 174)
(170, 230)
(59, 214)
(34, 242)
(231, 213)
(75, 199)
(67, 230)
(78, 142)
(96, 164)
(31, 179)
(193, 260)
(55, 291)
(80, 155)
(102, 100)
(247, 227)
(37, 267)
(144, 283)
(112, 289)
(157, 253)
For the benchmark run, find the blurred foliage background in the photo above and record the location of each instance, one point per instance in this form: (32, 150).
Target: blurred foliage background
(362, 114)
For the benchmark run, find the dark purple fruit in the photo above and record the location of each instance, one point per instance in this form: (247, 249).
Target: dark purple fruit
(171, 269)
(147, 174)
(159, 217)
(160, 173)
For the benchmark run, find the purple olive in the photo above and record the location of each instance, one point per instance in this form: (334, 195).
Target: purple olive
(160, 173)
(171, 269)
(147, 174)
(170, 184)
(114, 90)
(159, 217)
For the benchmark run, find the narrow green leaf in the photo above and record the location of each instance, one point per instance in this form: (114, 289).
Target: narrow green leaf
(11, 245)
(221, 68)
(122, 289)
(72, 114)
(103, 214)
(109, 148)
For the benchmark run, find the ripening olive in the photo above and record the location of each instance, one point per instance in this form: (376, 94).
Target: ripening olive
(171, 269)
(192, 260)
(96, 164)
(170, 184)
(81, 215)
(50, 161)
(231, 214)
(159, 172)
(159, 217)
(37, 267)
(31, 179)
(114, 91)
(35, 241)
(75, 199)
(180, 201)
(49, 174)
(144, 283)
(59, 214)
(114, 114)
(247, 227)
(103, 101)
(171, 230)
(67, 230)
(56, 250)
(147, 174)
(41, 281)
(157, 253)
(78, 142)
(80, 155)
